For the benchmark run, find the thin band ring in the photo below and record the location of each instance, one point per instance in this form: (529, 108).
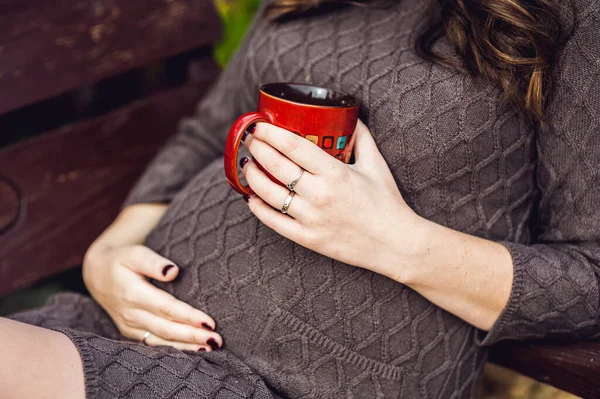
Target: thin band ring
(288, 202)
(146, 335)
(296, 180)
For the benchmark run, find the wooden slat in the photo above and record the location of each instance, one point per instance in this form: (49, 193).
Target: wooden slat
(572, 367)
(50, 47)
(71, 183)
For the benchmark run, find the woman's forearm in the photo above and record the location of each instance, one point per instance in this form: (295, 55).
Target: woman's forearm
(468, 276)
(132, 225)
(356, 215)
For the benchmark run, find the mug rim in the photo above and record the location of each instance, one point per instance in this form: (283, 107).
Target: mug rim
(354, 103)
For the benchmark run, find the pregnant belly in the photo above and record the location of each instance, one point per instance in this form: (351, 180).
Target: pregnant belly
(309, 325)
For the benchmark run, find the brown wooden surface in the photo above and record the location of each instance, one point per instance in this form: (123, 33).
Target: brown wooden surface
(49, 47)
(572, 367)
(9, 205)
(71, 183)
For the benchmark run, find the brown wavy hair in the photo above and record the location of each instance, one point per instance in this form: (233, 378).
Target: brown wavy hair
(513, 43)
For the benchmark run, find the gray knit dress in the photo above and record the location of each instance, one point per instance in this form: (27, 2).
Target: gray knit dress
(300, 325)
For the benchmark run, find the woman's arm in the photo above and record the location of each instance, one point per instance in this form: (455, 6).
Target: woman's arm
(465, 275)
(553, 282)
(355, 214)
(131, 227)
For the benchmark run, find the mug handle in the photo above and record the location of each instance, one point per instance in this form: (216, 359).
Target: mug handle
(232, 146)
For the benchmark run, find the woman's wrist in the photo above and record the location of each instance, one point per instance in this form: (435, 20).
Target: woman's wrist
(435, 246)
(418, 248)
(131, 227)
(466, 275)
(407, 247)
(423, 250)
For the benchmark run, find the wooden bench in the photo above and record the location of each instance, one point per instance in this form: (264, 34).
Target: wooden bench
(60, 189)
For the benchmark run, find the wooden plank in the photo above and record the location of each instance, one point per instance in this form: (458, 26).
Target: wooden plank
(60, 190)
(50, 47)
(572, 367)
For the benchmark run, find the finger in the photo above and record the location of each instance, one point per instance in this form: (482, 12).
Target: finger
(301, 151)
(270, 192)
(365, 148)
(165, 305)
(175, 332)
(145, 261)
(287, 227)
(282, 168)
(152, 340)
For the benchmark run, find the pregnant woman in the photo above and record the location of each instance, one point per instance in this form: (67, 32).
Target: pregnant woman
(470, 216)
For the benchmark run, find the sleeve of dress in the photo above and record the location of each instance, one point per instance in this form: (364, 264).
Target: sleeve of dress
(199, 139)
(555, 292)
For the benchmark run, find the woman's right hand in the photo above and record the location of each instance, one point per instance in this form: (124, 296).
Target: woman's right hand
(117, 276)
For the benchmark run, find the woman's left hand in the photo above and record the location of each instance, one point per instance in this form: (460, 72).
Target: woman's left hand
(353, 213)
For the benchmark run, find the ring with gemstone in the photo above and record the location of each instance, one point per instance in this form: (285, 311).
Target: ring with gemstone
(295, 181)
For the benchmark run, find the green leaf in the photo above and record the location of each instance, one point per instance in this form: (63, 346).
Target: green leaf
(236, 16)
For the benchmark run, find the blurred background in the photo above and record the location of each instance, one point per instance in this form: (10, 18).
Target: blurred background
(99, 99)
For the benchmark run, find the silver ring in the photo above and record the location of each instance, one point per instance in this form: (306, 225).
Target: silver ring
(146, 335)
(287, 203)
(295, 181)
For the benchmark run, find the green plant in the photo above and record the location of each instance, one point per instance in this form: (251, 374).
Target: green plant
(236, 15)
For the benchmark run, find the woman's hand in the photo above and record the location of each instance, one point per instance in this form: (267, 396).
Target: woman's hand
(347, 212)
(116, 270)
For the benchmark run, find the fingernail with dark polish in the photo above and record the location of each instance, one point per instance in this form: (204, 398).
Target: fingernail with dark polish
(166, 269)
(202, 350)
(249, 129)
(243, 161)
(208, 327)
(212, 343)
(246, 198)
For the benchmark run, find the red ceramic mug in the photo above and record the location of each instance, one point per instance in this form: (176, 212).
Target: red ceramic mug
(323, 116)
